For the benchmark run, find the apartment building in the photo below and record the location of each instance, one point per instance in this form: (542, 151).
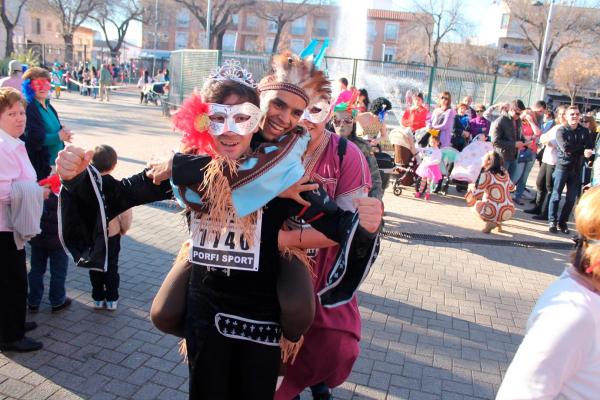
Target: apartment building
(176, 28)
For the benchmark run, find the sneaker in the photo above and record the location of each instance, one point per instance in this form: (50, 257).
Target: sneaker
(562, 226)
(427, 196)
(33, 309)
(111, 305)
(99, 305)
(418, 195)
(64, 305)
(552, 228)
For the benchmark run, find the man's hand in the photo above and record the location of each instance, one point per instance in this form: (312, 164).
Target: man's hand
(370, 213)
(72, 161)
(587, 153)
(159, 171)
(293, 192)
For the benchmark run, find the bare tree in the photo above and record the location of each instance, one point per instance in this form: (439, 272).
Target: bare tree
(439, 18)
(282, 12)
(71, 13)
(469, 56)
(221, 13)
(119, 14)
(576, 73)
(9, 24)
(571, 28)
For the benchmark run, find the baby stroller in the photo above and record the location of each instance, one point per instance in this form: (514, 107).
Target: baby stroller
(404, 172)
(385, 163)
(154, 92)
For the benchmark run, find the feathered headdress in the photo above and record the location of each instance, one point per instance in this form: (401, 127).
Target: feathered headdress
(27, 90)
(192, 119)
(298, 76)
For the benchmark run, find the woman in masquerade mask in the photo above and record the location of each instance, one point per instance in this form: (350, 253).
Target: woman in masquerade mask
(233, 323)
(44, 134)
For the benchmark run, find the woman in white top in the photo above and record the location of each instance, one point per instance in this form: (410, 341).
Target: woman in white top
(559, 357)
(544, 180)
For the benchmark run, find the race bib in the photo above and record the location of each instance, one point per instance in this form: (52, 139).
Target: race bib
(227, 249)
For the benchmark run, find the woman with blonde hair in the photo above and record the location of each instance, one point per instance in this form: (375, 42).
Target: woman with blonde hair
(560, 354)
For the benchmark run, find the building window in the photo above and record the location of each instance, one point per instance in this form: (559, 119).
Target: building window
(505, 21)
(36, 26)
(297, 45)
(250, 43)
(181, 40)
(229, 41)
(251, 22)
(298, 26)
(371, 30)
(235, 20)
(389, 54)
(369, 52)
(272, 26)
(391, 31)
(183, 18)
(269, 44)
(321, 27)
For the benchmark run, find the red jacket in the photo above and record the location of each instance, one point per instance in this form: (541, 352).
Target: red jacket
(414, 118)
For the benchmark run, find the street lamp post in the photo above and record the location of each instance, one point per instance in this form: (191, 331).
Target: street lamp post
(155, 35)
(208, 22)
(542, 65)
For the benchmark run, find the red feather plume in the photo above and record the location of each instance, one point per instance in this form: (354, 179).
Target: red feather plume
(192, 119)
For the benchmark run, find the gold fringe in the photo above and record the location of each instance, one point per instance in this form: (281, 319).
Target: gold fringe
(183, 350)
(300, 254)
(217, 193)
(289, 350)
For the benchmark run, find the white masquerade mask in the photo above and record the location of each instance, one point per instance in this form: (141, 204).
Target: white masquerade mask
(241, 119)
(317, 113)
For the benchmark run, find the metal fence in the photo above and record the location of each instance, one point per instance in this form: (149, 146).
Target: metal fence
(385, 79)
(48, 54)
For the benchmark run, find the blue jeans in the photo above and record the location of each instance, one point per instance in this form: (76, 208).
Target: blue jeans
(59, 263)
(511, 168)
(522, 174)
(572, 179)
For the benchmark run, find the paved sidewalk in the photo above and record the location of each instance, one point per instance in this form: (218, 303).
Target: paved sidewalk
(440, 320)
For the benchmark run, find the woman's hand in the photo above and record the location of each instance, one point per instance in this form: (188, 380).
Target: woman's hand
(293, 192)
(65, 135)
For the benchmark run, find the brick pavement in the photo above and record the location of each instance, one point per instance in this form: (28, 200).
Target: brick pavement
(440, 321)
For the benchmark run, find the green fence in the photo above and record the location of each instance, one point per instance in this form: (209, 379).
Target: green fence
(385, 79)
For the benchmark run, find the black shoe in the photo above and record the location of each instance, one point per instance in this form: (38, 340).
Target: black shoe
(33, 309)
(22, 346)
(562, 226)
(64, 305)
(30, 325)
(540, 217)
(532, 211)
(552, 228)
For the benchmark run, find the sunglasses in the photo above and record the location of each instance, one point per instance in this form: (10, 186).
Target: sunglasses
(444, 98)
(345, 121)
(479, 111)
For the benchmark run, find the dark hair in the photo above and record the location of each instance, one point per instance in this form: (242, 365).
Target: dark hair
(36, 73)
(363, 92)
(420, 95)
(497, 164)
(379, 104)
(541, 104)
(344, 81)
(218, 91)
(517, 104)
(549, 113)
(104, 158)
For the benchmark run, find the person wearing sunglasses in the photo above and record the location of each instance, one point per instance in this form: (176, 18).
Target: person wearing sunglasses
(479, 125)
(507, 136)
(442, 118)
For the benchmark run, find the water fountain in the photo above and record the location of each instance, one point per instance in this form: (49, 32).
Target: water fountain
(350, 38)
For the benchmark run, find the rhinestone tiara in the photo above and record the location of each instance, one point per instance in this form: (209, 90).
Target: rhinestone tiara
(232, 70)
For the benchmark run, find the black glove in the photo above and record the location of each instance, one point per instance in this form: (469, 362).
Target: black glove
(320, 204)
